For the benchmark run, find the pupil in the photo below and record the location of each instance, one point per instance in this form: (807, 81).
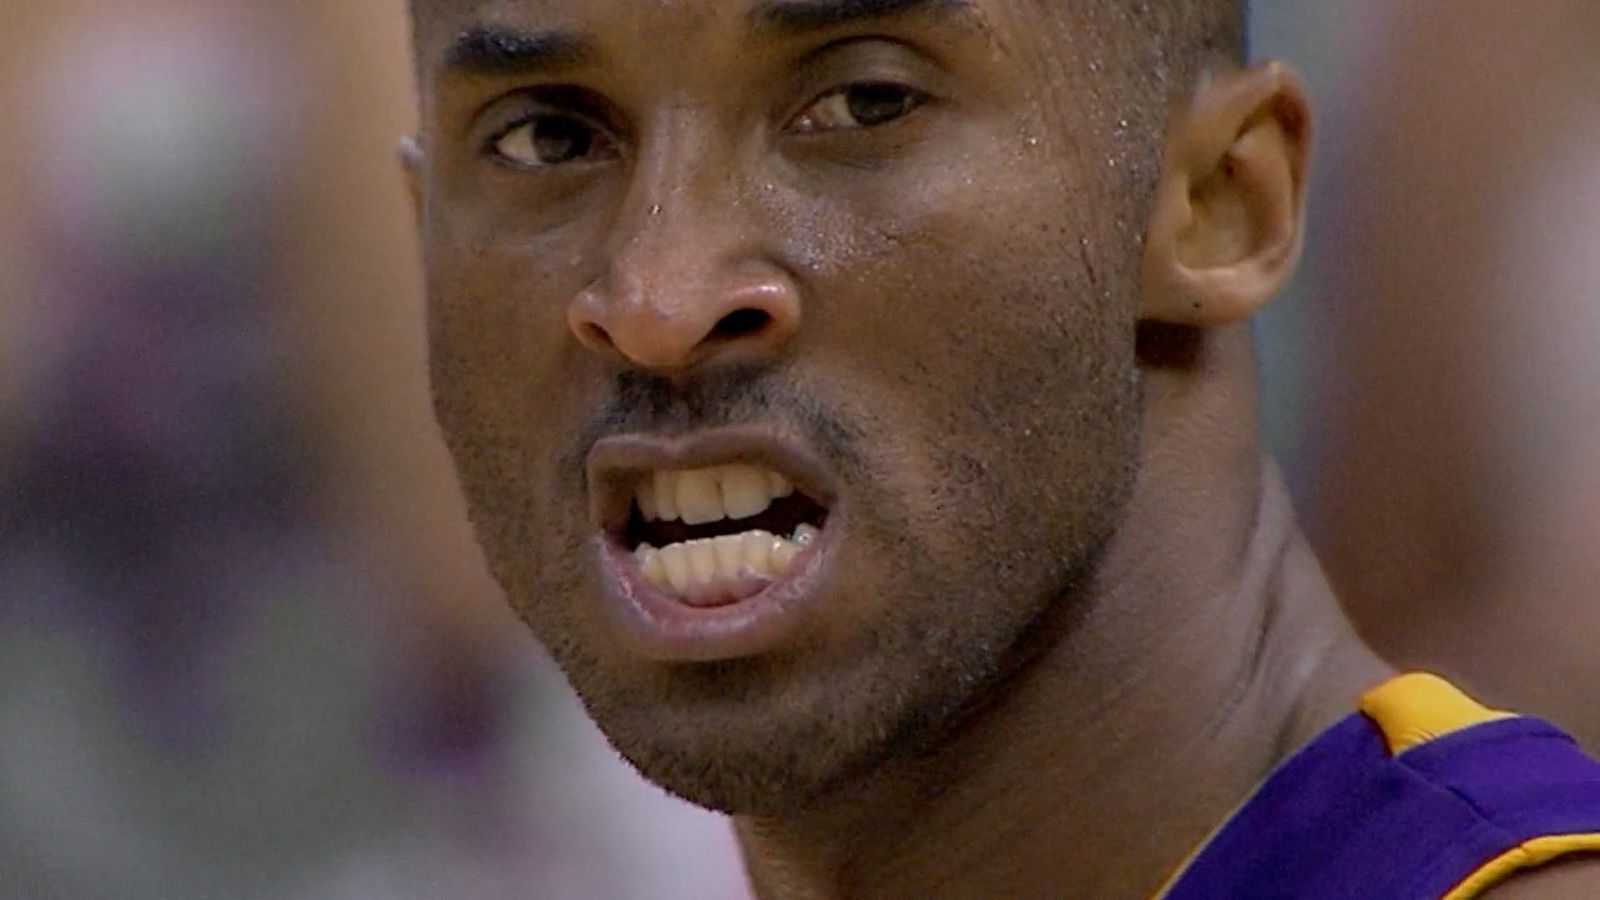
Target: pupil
(560, 139)
(874, 104)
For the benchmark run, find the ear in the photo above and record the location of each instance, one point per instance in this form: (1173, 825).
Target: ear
(1229, 215)
(412, 157)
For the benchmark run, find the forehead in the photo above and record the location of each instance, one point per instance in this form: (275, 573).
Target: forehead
(443, 25)
(437, 12)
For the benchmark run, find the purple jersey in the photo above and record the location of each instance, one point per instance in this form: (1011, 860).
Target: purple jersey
(1423, 794)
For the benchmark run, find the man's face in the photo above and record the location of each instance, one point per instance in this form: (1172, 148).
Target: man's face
(879, 251)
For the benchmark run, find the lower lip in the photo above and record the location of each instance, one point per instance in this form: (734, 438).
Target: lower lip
(659, 627)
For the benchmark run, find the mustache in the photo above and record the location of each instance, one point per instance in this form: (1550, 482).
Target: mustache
(643, 402)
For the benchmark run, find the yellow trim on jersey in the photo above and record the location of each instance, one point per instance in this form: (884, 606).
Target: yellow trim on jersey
(1532, 853)
(1415, 708)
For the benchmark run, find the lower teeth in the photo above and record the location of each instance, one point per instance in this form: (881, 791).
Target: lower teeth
(728, 567)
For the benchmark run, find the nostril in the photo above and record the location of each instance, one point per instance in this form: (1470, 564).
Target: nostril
(741, 323)
(596, 335)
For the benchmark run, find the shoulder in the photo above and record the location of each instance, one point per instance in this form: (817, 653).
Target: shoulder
(1577, 878)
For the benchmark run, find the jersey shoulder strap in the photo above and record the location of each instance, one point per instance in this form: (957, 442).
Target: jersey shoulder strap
(1423, 794)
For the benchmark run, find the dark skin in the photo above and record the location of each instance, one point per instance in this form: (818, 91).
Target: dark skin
(1061, 579)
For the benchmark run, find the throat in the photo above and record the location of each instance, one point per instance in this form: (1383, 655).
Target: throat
(1030, 799)
(1149, 714)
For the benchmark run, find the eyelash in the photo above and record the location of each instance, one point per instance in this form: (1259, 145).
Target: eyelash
(593, 132)
(911, 99)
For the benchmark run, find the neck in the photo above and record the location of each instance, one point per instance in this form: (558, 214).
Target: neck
(1212, 650)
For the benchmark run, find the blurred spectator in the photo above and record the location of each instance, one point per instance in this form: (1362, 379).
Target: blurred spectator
(1450, 480)
(246, 645)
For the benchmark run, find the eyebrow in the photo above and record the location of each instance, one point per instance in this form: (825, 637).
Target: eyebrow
(793, 17)
(492, 50)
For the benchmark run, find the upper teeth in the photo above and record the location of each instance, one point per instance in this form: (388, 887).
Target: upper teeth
(702, 496)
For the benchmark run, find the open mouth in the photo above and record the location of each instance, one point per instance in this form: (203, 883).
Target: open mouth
(719, 535)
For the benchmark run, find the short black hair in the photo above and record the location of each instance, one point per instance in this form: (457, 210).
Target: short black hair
(1189, 36)
(1211, 27)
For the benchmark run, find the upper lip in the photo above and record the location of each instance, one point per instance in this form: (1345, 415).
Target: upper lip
(616, 465)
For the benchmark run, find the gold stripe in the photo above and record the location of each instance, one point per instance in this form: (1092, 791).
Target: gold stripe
(1532, 853)
(1418, 707)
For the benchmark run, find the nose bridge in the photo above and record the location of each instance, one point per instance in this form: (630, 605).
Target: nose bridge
(682, 186)
(685, 279)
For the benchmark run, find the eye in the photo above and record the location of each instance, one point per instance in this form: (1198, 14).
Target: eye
(865, 104)
(551, 139)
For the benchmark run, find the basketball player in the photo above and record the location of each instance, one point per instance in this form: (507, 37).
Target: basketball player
(855, 397)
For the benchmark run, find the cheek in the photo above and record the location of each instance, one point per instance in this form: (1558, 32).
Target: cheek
(991, 354)
(497, 304)
(498, 346)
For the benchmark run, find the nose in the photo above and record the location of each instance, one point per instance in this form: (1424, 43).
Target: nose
(679, 298)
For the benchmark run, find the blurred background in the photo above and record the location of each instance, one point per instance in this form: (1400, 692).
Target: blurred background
(247, 647)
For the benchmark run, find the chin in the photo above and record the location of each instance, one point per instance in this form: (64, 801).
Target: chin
(740, 737)
(769, 737)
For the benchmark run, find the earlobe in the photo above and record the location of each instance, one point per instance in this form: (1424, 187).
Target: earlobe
(412, 157)
(1228, 219)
